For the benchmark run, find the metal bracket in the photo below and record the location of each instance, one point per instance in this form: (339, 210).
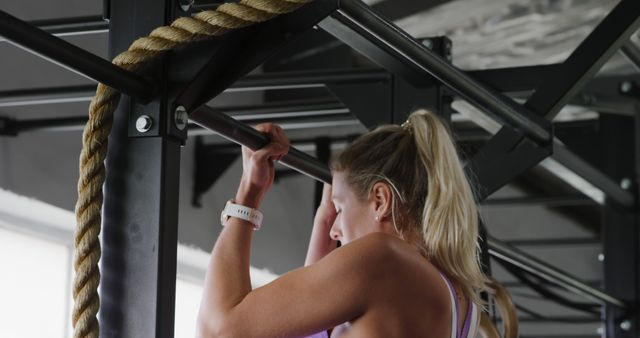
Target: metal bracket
(370, 102)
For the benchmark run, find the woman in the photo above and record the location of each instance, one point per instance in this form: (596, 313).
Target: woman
(405, 215)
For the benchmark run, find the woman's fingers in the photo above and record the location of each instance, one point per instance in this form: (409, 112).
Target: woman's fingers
(278, 145)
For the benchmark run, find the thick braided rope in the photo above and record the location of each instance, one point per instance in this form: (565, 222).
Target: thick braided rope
(182, 31)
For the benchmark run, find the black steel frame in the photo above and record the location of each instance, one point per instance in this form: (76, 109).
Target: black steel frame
(140, 233)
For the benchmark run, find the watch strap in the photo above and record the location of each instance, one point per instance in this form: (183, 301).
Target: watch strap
(251, 215)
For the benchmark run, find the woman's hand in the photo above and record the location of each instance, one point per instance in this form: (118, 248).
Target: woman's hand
(259, 166)
(326, 213)
(321, 243)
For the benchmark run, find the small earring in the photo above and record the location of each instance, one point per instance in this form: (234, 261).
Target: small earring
(377, 218)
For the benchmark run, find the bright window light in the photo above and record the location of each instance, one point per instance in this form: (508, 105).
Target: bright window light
(187, 303)
(33, 287)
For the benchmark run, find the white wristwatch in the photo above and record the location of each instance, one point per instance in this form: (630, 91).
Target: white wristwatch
(240, 211)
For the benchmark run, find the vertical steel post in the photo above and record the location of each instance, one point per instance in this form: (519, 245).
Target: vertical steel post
(621, 226)
(141, 197)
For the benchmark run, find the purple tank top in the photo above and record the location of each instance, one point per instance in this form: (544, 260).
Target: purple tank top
(467, 320)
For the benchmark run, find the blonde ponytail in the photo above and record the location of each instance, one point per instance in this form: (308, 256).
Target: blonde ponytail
(449, 216)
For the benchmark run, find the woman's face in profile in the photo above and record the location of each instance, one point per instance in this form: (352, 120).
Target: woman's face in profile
(355, 217)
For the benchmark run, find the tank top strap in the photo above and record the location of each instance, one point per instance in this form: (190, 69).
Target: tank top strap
(455, 310)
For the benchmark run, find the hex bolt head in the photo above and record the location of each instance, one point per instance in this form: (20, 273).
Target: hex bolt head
(600, 257)
(428, 43)
(144, 123)
(625, 325)
(626, 86)
(625, 183)
(180, 118)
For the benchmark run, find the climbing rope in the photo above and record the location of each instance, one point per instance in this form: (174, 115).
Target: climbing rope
(182, 31)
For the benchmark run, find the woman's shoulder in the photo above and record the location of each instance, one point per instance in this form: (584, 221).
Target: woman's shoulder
(382, 253)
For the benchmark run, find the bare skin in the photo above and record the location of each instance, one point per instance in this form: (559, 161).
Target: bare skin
(377, 282)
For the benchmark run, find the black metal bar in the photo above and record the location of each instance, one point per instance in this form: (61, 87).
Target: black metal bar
(78, 25)
(586, 60)
(572, 241)
(632, 52)
(57, 124)
(24, 97)
(74, 58)
(241, 133)
(502, 251)
(300, 80)
(355, 24)
(549, 201)
(285, 112)
(514, 79)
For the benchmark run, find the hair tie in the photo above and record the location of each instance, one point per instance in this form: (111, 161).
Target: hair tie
(407, 126)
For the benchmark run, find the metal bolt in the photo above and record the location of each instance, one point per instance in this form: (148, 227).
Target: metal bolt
(428, 43)
(601, 257)
(600, 330)
(625, 325)
(144, 123)
(626, 86)
(185, 5)
(625, 183)
(181, 118)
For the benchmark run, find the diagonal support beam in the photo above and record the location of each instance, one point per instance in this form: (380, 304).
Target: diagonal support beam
(381, 41)
(558, 88)
(615, 30)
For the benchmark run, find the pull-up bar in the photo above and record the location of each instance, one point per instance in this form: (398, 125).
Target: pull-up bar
(243, 134)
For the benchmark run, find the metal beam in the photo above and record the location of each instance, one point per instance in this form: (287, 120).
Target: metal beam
(514, 79)
(37, 96)
(536, 267)
(74, 58)
(548, 201)
(73, 26)
(140, 218)
(557, 89)
(355, 24)
(632, 52)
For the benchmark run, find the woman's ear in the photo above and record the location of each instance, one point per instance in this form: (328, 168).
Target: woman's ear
(382, 199)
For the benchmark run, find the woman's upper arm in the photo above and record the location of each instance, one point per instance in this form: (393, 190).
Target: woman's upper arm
(337, 289)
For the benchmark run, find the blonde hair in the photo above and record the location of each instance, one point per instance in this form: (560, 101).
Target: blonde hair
(433, 200)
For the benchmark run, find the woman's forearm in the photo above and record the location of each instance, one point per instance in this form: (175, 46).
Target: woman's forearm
(320, 243)
(227, 281)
